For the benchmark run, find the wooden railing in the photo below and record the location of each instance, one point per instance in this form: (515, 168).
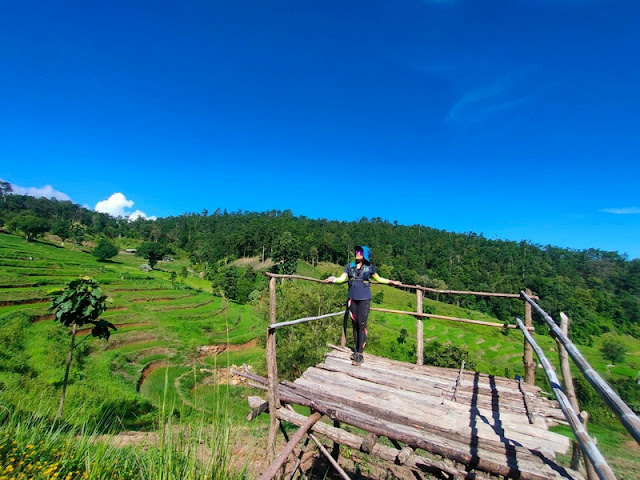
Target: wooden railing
(272, 365)
(596, 465)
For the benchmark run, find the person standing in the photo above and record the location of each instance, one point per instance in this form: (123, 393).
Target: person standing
(359, 273)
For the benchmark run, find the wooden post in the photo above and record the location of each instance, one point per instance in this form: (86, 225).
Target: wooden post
(527, 358)
(567, 382)
(419, 329)
(272, 370)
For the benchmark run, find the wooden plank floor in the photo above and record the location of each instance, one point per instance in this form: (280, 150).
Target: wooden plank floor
(487, 422)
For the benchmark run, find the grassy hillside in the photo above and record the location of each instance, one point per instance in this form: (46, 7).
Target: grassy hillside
(175, 340)
(159, 324)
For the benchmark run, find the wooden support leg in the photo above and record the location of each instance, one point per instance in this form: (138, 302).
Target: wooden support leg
(299, 459)
(338, 468)
(288, 448)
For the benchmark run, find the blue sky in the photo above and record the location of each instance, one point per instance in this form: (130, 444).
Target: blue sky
(517, 120)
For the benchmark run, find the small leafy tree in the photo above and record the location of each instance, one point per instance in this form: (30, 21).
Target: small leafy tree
(62, 229)
(30, 225)
(104, 250)
(152, 252)
(613, 351)
(80, 303)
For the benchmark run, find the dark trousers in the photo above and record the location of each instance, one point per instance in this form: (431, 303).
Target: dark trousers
(359, 313)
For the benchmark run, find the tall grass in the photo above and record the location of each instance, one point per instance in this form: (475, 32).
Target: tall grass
(31, 446)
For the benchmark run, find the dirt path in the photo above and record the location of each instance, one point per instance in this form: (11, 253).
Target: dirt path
(148, 369)
(86, 331)
(213, 350)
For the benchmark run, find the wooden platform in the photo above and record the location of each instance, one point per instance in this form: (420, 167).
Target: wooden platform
(495, 425)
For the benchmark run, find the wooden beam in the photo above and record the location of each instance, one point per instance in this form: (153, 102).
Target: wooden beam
(288, 448)
(626, 416)
(453, 319)
(415, 287)
(599, 463)
(298, 277)
(305, 319)
(386, 453)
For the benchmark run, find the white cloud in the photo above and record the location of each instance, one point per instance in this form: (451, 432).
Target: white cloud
(140, 214)
(622, 211)
(115, 206)
(47, 191)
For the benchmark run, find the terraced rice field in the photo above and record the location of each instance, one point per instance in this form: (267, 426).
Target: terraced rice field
(161, 326)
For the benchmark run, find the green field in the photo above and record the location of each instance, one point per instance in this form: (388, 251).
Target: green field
(155, 357)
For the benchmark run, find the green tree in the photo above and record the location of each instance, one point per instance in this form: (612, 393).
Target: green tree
(229, 282)
(152, 252)
(30, 225)
(80, 303)
(286, 251)
(104, 250)
(62, 229)
(613, 351)
(77, 235)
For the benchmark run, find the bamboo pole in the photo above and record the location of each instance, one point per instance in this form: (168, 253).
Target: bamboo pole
(626, 416)
(288, 448)
(599, 463)
(419, 329)
(416, 287)
(305, 319)
(527, 357)
(298, 277)
(272, 370)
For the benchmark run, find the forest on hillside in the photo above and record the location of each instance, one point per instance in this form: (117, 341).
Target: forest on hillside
(599, 290)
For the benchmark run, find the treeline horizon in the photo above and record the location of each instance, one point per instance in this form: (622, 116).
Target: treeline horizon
(599, 290)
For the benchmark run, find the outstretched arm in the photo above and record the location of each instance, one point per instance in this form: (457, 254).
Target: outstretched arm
(341, 279)
(386, 281)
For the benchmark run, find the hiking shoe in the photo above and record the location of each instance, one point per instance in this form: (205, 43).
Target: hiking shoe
(357, 359)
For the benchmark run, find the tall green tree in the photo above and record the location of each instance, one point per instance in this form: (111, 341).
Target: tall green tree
(62, 228)
(30, 225)
(80, 303)
(286, 251)
(104, 250)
